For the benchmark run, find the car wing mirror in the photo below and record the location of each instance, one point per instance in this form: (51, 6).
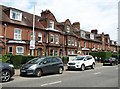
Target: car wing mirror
(45, 62)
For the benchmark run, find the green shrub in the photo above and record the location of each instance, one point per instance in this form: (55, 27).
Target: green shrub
(26, 59)
(16, 61)
(6, 58)
(65, 59)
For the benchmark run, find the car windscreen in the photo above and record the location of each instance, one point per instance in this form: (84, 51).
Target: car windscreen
(35, 61)
(108, 58)
(78, 58)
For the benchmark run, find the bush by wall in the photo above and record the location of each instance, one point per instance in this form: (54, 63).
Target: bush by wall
(18, 60)
(65, 59)
(6, 58)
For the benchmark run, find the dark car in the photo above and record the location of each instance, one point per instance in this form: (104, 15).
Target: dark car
(42, 65)
(6, 71)
(112, 61)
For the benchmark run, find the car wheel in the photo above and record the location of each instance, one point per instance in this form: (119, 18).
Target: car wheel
(60, 71)
(112, 64)
(116, 63)
(5, 76)
(93, 66)
(38, 73)
(82, 67)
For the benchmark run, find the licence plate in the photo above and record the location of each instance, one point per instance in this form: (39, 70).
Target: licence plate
(23, 71)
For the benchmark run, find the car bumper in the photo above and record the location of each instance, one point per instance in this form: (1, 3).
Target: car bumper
(12, 72)
(27, 72)
(73, 66)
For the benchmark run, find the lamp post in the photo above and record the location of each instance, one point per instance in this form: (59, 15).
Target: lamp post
(32, 42)
(5, 28)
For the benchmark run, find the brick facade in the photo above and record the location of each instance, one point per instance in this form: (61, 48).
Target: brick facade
(51, 37)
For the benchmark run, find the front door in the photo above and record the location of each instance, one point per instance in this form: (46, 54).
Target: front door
(39, 53)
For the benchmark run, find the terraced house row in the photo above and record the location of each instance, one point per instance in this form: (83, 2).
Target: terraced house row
(51, 37)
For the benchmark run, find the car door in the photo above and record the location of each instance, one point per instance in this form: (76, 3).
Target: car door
(87, 61)
(46, 65)
(55, 64)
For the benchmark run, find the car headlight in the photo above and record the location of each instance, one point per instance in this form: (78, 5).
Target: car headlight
(32, 67)
(11, 65)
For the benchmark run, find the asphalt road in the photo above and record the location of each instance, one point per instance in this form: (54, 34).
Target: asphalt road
(101, 76)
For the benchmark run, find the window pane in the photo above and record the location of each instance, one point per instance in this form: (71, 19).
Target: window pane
(51, 25)
(52, 38)
(10, 50)
(19, 50)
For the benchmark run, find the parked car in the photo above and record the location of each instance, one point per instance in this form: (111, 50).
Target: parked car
(112, 61)
(42, 65)
(81, 62)
(6, 71)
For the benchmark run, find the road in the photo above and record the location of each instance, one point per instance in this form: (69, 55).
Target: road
(102, 76)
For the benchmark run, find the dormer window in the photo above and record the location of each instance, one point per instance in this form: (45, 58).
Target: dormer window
(15, 15)
(68, 29)
(51, 24)
(82, 34)
(91, 36)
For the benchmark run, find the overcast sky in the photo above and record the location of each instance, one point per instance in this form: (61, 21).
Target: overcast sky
(92, 14)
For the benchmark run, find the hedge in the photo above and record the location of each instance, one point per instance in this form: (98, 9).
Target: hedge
(101, 55)
(18, 60)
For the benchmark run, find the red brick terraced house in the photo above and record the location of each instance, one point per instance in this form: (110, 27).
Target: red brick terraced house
(52, 38)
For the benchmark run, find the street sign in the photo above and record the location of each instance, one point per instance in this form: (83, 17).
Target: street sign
(32, 44)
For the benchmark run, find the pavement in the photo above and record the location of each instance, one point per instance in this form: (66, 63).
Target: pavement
(17, 71)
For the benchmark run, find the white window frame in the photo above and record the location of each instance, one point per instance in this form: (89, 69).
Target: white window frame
(40, 35)
(79, 45)
(108, 41)
(18, 15)
(68, 29)
(51, 25)
(72, 52)
(17, 49)
(72, 42)
(68, 52)
(69, 41)
(51, 35)
(56, 51)
(75, 43)
(82, 34)
(92, 36)
(57, 39)
(9, 49)
(17, 36)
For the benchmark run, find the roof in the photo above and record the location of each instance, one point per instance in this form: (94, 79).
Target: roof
(27, 18)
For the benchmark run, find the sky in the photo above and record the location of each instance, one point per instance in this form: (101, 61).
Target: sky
(92, 14)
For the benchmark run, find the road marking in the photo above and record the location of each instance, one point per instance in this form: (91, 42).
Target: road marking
(51, 83)
(97, 73)
(51, 76)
